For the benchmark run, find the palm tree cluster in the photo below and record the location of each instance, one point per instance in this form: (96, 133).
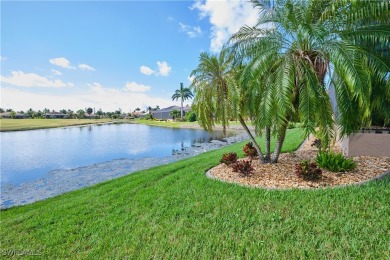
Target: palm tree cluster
(282, 70)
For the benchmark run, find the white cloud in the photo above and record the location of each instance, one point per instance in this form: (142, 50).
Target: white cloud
(19, 78)
(163, 68)
(98, 96)
(56, 72)
(86, 67)
(2, 58)
(191, 31)
(62, 62)
(146, 70)
(226, 17)
(135, 87)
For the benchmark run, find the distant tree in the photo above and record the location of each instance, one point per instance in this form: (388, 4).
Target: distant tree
(12, 114)
(80, 113)
(70, 114)
(38, 114)
(174, 114)
(137, 109)
(1, 110)
(46, 110)
(149, 110)
(156, 108)
(100, 113)
(89, 111)
(31, 113)
(63, 111)
(9, 110)
(184, 94)
(191, 116)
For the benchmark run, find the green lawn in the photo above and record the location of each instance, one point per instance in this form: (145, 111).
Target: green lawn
(29, 124)
(175, 212)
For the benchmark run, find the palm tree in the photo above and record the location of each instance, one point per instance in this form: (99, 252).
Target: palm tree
(80, 113)
(174, 113)
(212, 84)
(299, 48)
(220, 95)
(183, 94)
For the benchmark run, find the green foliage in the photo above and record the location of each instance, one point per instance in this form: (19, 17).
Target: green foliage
(229, 158)
(191, 116)
(335, 162)
(244, 167)
(308, 170)
(291, 125)
(250, 150)
(175, 113)
(148, 117)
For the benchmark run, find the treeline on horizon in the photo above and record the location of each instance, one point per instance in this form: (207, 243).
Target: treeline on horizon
(81, 113)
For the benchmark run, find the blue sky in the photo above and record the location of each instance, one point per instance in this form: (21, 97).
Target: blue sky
(106, 54)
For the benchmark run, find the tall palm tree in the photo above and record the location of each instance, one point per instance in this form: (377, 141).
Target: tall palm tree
(220, 95)
(184, 94)
(212, 83)
(299, 48)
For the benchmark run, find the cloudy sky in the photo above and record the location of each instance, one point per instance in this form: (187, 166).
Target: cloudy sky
(108, 55)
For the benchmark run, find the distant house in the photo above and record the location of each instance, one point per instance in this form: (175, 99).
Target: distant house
(17, 115)
(54, 114)
(138, 114)
(164, 113)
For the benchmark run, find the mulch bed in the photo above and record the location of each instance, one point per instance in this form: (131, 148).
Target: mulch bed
(282, 175)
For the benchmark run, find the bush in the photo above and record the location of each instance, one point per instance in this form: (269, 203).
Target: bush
(291, 125)
(148, 117)
(249, 150)
(229, 158)
(335, 162)
(308, 171)
(191, 116)
(243, 167)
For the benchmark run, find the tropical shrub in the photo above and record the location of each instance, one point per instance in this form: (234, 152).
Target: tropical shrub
(291, 125)
(308, 170)
(335, 162)
(229, 158)
(191, 116)
(243, 167)
(148, 117)
(249, 150)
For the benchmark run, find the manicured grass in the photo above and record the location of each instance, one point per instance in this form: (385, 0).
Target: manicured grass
(175, 212)
(29, 124)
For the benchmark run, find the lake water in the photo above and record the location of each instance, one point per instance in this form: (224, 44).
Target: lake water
(30, 155)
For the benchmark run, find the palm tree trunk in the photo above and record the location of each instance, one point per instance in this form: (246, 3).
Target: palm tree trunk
(181, 109)
(267, 144)
(279, 143)
(261, 156)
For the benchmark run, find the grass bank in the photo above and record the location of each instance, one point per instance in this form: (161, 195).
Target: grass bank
(177, 124)
(175, 212)
(30, 124)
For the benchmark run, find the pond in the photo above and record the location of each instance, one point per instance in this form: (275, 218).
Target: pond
(30, 155)
(40, 164)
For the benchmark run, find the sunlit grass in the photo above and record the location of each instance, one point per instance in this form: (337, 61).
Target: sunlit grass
(29, 124)
(175, 212)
